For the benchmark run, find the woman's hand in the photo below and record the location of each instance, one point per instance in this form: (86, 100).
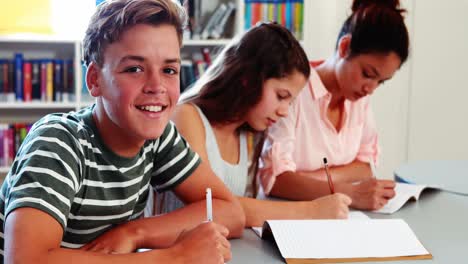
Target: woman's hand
(369, 194)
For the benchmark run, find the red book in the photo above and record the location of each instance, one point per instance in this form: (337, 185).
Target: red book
(256, 13)
(27, 84)
(206, 56)
(8, 146)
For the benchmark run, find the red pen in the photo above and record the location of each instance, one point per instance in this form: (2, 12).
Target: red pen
(330, 182)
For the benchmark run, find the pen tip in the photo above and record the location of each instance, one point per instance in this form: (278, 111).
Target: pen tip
(325, 160)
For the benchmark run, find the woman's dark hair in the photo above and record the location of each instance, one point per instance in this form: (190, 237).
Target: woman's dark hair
(233, 84)
(376, 26)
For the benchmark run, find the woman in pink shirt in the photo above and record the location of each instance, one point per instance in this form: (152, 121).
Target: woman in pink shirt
(332, 117)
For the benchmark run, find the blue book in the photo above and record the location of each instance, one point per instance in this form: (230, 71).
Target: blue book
(19, 76)
(289, 15)
(248, 14)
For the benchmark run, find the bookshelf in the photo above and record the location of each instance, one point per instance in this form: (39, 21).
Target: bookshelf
(38, 48)
(34, 46)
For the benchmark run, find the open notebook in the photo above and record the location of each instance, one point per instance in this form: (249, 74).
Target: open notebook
(330, 241)
(403, 193)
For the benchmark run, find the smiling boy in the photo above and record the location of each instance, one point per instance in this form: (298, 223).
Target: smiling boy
(83, 178)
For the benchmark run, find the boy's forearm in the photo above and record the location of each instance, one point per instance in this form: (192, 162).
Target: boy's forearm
(162, 231)
(76, 256)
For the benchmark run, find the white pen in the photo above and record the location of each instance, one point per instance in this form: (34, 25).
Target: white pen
(209, 210)
(372, 167)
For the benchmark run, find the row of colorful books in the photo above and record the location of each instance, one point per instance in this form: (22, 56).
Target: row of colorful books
(11, 137)
(44, 80)
(289, 13)
(192, 69)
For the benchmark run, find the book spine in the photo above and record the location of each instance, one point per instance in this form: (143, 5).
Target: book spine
(43, 81)
(301, 19)
(206, 56)
(256, 13)
(36, 80)
(71, 79)
(247, 14)
(288, 13)
(50, 81)
(11, 97)
(282, 13)
(2, 148)
(65, 95)
(58, 80)
(19, 76)
(2, 80)
(27, 83)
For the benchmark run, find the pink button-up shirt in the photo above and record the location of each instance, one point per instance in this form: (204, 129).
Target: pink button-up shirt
(300, 141)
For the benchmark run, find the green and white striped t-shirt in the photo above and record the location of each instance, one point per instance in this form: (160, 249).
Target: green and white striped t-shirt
(64, 169)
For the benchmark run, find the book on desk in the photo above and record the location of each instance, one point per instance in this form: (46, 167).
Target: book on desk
(404, 192)
(337, 241)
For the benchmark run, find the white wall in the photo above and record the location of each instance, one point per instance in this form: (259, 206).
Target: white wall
(438, 127)
(421, 112)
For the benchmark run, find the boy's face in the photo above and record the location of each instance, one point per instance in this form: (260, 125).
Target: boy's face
(138, 84)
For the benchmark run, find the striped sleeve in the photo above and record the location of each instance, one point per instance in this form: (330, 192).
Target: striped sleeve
(174, 160)
(45, 174)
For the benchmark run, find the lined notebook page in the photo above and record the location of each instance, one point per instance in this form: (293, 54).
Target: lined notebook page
(345, 239)
(351, 216)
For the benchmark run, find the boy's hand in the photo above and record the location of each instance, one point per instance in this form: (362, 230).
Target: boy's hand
(118, 240)
(206, 243)
(369, 194)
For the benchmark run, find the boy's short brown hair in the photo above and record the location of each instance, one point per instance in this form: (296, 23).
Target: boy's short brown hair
(113, 17)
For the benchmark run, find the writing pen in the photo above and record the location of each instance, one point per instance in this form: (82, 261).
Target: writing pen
(209, 208)
(330, 182)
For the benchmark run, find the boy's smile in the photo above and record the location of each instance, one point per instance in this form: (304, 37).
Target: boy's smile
(138, 84)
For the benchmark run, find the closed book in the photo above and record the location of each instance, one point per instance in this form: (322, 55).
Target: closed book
(43, 80)
(2, 90)
(10, 145)
(19, 76)
(58, 80)
(36, 80)
(49, 81)
(67, 80)
(11, 97)
(27, 84)
(2, 155)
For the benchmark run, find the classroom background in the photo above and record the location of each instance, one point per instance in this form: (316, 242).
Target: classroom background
(421, 113)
